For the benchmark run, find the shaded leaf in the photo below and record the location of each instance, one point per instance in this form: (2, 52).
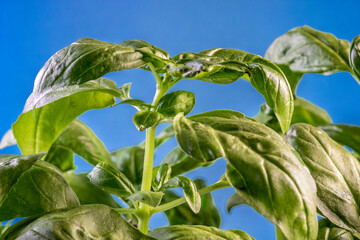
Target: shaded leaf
(233, 201)
(355, 57)
(111, 180)
(8, 139)
(163, 174)
(328, 231)
(87, 192)
(348, 135)
(335, 171)
(84, 222)
(146, 119)
(186, 232)
(30, 186)
(175, 102)
(228, 65)
(36, 130)
(268, 174)
(181, 163)
(150, 198)
(80, 139)
(306, 50)
(208, 215)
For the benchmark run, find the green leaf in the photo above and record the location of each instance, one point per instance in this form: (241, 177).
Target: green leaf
(292, 77)
(129, 161)
(3, 228)
(158, 57)
(228, 65)
(328, 231)
(87, 192)
(268, 175)
(80, 139)
(306, 50)
(175, 102)
(304, 112)
(36, 130)
(111, 180)
(164, 135)
(150, 198)
(136, 103)
(181, 163)
(84, 222)
(190, 192)
(8, 139)
(30, 186)
(163, 174)
(355, 57)
(233, 201)
(208, 215)
(348, 135)
(146, 119)
(185, 232)
(335, 171)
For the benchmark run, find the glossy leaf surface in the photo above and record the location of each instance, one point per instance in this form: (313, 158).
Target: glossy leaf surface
(181, 163)
(150, 198)
(328, 231)
(87, 192)
(146, 119)
(355, 57)
(335, 171)
(111, 180)
(85, 222)
(348, 135)
(190, 191)
(228, 65)
(175, 102)
(8, 139)
(163, 174)
(30, 186)
(265, 167)
(208, 215)
(36, 130)
(186, 232)
(306, 50)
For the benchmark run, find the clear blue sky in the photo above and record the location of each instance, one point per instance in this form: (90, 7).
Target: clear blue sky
(31, 31)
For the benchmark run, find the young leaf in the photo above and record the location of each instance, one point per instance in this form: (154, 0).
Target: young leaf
(87, 192)
(306, 50)
(146, 119)
(111, 180)
(163, 174)
(8, 139)
(136, 103)
(80, 139)
(84, 222)
(190, 192)
(208, 215)
(175, 102)
(181, 163)
(355, 57)
(335, 171)
(328, 231)
(265, 76)
(36, 130)
(185, 232)
(29, 186)
(348, 135)
(150, 198)
(233, 201)
(270, 174)
(158, 57)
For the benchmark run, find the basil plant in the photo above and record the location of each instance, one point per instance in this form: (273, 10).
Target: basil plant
(290, 162)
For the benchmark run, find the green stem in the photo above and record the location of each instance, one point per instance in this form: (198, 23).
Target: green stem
(179, 201)
(125, 210)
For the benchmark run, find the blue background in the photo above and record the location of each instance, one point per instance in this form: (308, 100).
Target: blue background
(31, 31)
